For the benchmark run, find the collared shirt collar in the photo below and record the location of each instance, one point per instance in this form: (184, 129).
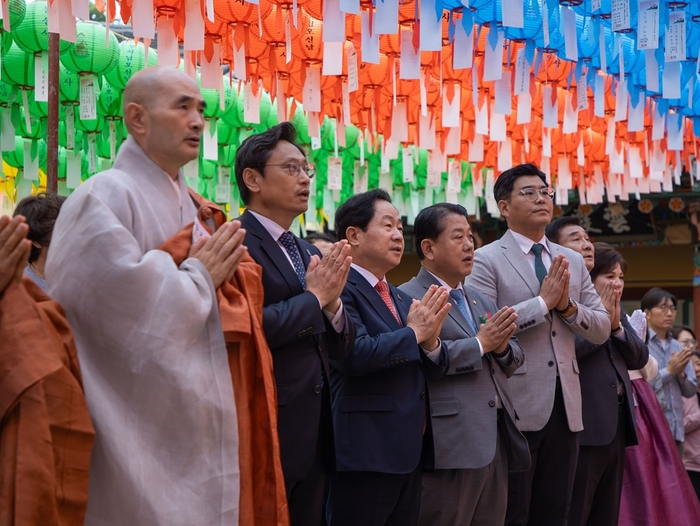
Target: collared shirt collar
(525, 243)
(444, 284)
(268, 224)
(371, 278)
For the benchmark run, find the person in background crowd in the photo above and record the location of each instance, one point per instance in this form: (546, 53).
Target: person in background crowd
(676, 378)
(472, 403)
(45, 430)
(40, 211)
(606, 391)
(655, 488)
(553, 296)
(323, 242)
(691, 422)
(383, 434)
(148, 332)
(303, 317)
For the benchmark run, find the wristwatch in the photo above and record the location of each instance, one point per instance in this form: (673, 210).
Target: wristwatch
(616, 330)
(570, 309)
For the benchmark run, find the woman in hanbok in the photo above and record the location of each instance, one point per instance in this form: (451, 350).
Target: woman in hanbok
(656, 490)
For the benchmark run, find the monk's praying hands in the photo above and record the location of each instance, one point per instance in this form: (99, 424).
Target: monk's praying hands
(14, 249)
(222, 252)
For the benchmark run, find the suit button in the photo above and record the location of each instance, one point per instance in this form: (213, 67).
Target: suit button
(550, 363)
(613, 384)
(554, 333)
(422, 395)
(317, 389)
(492, 403)
(521, 326)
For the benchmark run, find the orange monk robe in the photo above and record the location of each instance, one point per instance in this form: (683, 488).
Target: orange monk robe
(263, 500)
(45, 433)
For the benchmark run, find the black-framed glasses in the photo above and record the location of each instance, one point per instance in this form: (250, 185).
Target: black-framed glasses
(532, 194)
(295, 168)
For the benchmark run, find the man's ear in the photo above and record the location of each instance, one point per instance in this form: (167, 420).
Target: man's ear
(503, 207)
(136, 119)
(427, 247)
(352, 235)
(251, 178)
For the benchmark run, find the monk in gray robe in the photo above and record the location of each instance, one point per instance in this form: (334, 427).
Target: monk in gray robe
(148, 333)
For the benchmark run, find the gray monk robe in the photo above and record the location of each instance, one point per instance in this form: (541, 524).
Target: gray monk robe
(151, 350)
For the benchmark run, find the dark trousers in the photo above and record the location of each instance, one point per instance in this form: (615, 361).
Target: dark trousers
(367, 498)
(598, 483)
(695, 479)
(306, 496)
(541, 496)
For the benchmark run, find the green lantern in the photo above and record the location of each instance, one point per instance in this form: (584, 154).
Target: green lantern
(6, 43)
(132, 58)
(18, 67)
(301, 125)
(227, 134)
(213, 99)
(109, 103)
(17, 9)
(8, 92)
(229, 157)
(63, 138)
(38, 126)
(63, 164)
(89, 54)
(68, 85)
(265, 107)
(15, 158)
(32, 35)
(93, 126)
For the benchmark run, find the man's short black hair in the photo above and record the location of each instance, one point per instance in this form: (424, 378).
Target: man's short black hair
(656, 296)
(358, 211)
(429, 222)
(553, 230)
(505, 182)
(606, 259)
(320, 236)
(40, 211)
(255, 151)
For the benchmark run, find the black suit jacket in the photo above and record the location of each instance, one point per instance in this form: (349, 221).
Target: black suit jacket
(379, 387)
(600, 366)
(301, 339)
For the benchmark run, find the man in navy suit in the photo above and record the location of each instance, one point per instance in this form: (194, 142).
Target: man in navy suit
(379, 390)
(303, 318)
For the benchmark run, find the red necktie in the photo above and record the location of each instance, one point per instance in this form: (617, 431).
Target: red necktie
(383, 290)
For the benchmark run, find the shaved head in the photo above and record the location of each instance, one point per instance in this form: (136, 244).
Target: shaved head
(164, 113)
(147, 85)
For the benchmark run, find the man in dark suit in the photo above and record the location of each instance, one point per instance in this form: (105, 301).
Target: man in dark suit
(550, 289)
(474, 429)
(606, 392)
(303, 318)
(379, 388)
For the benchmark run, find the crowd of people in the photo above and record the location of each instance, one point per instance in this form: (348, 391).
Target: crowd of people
(160, 365)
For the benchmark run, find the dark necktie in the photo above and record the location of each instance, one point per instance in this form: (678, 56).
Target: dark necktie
(383, 290)
(540, 270)
(461, 302)
(287, 240)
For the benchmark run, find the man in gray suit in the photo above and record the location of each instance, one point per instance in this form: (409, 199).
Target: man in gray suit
(553, 296)
(476, 438)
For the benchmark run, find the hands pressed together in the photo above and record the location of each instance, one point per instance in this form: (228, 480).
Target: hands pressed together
(222, 252)
(610, 297)
(14, 250)
(427, 315)
(326, 277)
(495, 335)
(555, 286)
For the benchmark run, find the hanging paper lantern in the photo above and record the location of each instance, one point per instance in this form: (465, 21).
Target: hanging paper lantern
(7, 92)
(532, 23)
(109, 102)
(15, 158)
(309, 45)
(132, 58)
(89, 55)
(226, 134)
(239, 11)
(93, 126)
(17, 9)
(32, 34)
(63, 136)
(212, 97)
(38, 126)
(18, 68)
(301, 125)
(68, 85)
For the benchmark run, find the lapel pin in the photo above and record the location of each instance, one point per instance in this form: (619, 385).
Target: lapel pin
(474, 302)
(400, 298)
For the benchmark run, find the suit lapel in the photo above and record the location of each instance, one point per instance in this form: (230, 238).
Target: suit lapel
(274, 252)
(426, 279)
(512, 252)
(375, 300)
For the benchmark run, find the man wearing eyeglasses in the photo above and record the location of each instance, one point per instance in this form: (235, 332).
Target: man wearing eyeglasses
(676, 379)
(303, 317)
(553, 296)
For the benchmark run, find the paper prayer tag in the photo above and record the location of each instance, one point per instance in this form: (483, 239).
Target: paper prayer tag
(88, 99)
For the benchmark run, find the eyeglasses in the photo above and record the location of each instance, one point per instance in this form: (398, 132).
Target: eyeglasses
(295, 168)
(532, 194)
(666, 308)
(688, 343)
